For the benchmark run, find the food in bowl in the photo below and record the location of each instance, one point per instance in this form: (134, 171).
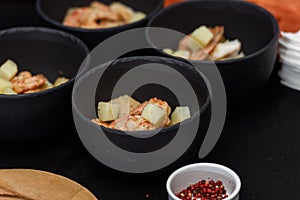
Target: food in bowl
(207, 43)
(12, 82)
(127, 114)
(100, 15)
(204, 190)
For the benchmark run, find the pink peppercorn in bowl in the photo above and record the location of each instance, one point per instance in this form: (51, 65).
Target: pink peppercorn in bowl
(207, 180)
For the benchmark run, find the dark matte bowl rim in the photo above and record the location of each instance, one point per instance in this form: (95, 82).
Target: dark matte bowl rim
(43, 30)
(252, 5)
(200, 112)
(96, 30)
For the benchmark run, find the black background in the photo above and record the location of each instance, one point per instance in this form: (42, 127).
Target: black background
(260, 142)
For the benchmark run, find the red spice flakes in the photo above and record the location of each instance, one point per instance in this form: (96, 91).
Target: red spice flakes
(204, 190)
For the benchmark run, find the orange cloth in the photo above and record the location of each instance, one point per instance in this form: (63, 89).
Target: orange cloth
(169, 2)
(286, 12)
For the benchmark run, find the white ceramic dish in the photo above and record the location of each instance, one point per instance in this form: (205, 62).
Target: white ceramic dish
(190, 174)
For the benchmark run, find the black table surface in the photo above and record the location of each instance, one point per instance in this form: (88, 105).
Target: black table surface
(260, 141)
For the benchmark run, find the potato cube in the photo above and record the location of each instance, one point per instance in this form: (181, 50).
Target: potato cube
(47, 85)
(60, 80)
(180, 114)
(4, 84)
(202, 35)
(182, 54)
(137, 16)
(8, 91)
(155, 115)
(168, 51)
(8, 70)
(107, 111)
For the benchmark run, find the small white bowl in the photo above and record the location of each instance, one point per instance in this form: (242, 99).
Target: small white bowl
(191, 174)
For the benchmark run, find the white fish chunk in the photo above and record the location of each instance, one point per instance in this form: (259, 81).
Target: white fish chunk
(226, 49)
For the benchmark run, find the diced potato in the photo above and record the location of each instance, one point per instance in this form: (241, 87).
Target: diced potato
(137, 16)
(202, 35)
(182, 54)
(193, 45)
(47, 85)
(60, 80)
(8, 70)
(8, 91)
(180, 114)
(107, 111)
(4, 84)
(168, 51)
(155, 115)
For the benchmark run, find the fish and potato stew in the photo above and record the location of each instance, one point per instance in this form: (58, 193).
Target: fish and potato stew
(14, 82)
(127, 114)
(100, 15)
(207, 43)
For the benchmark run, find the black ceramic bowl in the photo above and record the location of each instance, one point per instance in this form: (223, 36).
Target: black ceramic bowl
(91, 134)
(49, 52)
(53, 12)
(255, 27)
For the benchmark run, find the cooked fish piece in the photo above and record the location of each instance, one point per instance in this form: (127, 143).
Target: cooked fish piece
(109, 24)
(25, 82)
(138, 110)
(126, 104)
(94, 16)
(23, 75)
(32, 91)
(183, 43)
(74, 16)
(100, 15)
(89, 17)
(203, 53)
(124, 12)
(97, 121)
(100, 6)
(131, 123)
(234, 56)
(226, 49)
(104, 12)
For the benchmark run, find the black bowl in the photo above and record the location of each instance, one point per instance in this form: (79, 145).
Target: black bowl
(53, 12)
(255, 27)
(49, 52)
(91, 133)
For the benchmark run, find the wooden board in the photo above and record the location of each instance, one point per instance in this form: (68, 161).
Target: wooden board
(29, 184)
